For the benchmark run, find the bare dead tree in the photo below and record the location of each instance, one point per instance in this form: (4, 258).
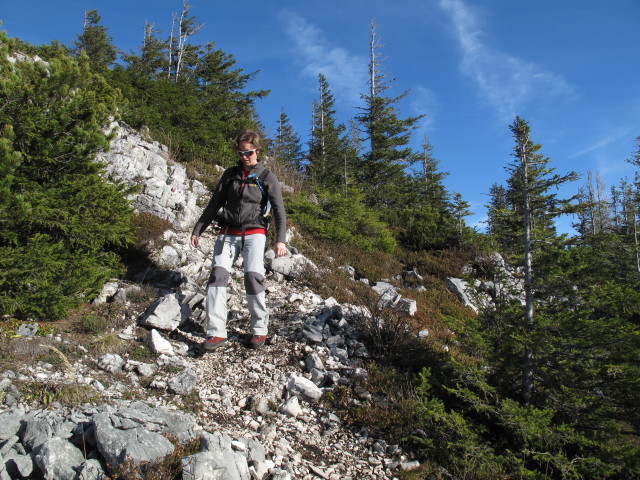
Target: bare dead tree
(170, 45)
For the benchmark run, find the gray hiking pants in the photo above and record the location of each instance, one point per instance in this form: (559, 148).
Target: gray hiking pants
(225, 253)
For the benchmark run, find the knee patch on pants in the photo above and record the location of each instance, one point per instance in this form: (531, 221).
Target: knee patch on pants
(219, 277)
(253, 283)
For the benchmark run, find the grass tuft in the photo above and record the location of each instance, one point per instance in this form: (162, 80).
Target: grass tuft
(167, 468)
(109, 343)
(67, 394)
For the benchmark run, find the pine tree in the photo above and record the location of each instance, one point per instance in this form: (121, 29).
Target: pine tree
(61, 220)
(381, 172)
(286, 145)
(331, 158)
(151, 62)
(96, 43)
(532, 209)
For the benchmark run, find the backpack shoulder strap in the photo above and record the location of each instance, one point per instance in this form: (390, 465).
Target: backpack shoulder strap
(233, 171)
(260, 180)
(263, 175)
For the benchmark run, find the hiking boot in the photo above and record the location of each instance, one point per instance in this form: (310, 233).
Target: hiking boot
(211, 343)
(256, 341)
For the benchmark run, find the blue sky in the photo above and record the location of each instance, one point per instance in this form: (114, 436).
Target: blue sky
(569, 67)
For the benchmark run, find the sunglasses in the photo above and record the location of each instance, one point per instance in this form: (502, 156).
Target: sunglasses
(246, 153)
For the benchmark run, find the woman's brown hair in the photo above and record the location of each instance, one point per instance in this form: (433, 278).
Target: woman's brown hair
(250, 137)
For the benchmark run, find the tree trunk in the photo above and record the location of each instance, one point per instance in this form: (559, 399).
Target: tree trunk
(527, 372)
(635, 237)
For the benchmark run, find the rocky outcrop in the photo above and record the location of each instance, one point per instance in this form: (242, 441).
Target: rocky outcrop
(493, 282)
(80, 443)
(164, 188)
(268, 401)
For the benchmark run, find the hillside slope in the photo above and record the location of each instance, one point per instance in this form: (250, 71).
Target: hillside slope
(275, 397)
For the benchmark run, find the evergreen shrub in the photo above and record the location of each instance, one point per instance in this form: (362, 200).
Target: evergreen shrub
(345, 220)
(60, 221)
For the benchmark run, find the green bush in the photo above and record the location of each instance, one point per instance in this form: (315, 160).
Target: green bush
(60, 220)
(342, 219)
(44, 279)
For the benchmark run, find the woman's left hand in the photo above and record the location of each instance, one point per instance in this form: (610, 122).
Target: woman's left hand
(280, 249)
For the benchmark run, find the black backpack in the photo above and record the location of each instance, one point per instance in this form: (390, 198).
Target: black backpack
(265, 206)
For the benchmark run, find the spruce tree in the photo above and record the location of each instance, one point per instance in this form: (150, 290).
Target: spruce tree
(182, 55)
(428, 219)
(381, 171)
(198, 111)
(331, 157)
(460, 209)
(634, 207)
(96, 43)
(498, 214)
(150, 63)
(433, 178)
(527, 221)
(286, 145)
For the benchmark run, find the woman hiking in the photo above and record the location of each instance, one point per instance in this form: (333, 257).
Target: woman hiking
(238, 205)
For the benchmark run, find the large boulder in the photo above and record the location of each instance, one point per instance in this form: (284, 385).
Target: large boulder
(304, 388)
(116, 443)
(166, 313)
(460, 288)
(290, 266)
(216, 460)
(387, 294)
(59, 459)
(10, 423)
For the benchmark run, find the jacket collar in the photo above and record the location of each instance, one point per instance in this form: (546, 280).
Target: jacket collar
(257, 169)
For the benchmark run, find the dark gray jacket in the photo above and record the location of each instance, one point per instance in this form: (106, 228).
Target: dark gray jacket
(236, 207)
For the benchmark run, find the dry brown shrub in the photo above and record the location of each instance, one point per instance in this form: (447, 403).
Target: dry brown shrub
(41, 394)
(441, 264)
(373, 266)
(391, 413)
(6, 349)
(336, 284)
(99, 319)
(205, 172)
(174, 151)
(392, 336)
(285, 173)
(149, 228)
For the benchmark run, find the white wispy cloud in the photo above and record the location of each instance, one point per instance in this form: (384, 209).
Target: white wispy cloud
(621, 134)
(507, 83)
(345, 72)
(599, 145)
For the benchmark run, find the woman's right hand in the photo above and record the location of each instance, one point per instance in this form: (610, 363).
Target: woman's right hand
(195, 239)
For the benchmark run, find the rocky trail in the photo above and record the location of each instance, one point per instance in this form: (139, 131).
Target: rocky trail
(259, 414)
(263, 408)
